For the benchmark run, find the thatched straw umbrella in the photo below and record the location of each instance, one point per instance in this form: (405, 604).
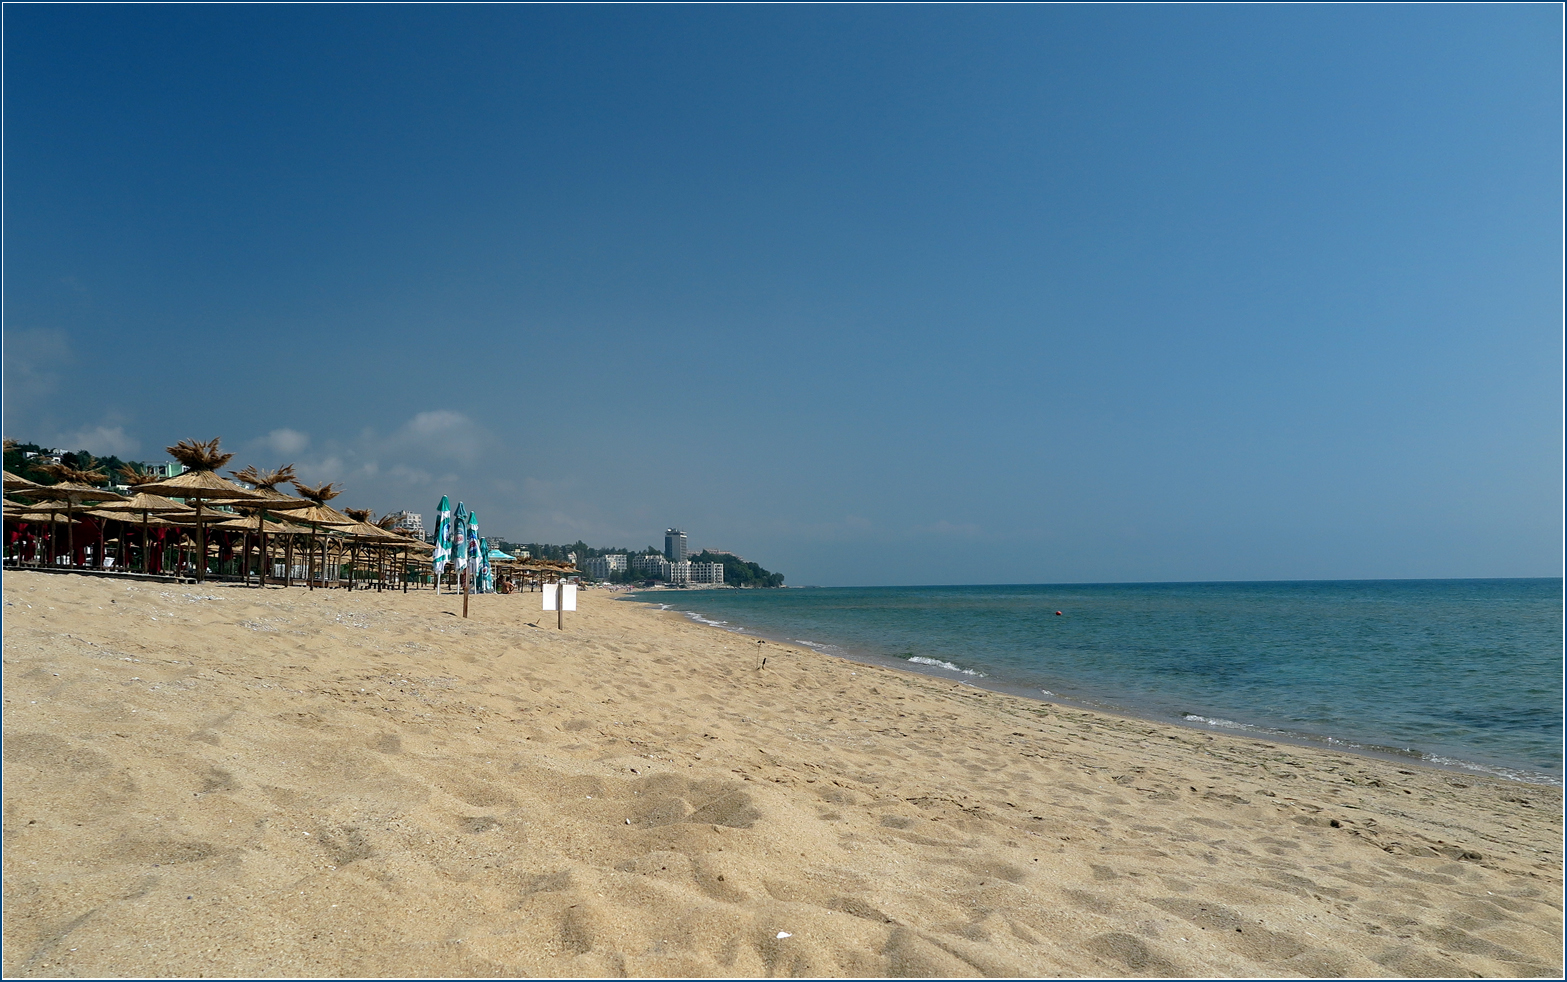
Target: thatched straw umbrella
(15, 482)
(270, 499)
(75, 488)
(410, 543)
(143, 504)
(36, 515)
(375, 535)
(317, 516)
(199, 483)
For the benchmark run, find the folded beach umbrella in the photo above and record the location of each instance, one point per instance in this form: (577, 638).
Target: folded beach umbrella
(443, 536)
(475, 551)
(460, 537)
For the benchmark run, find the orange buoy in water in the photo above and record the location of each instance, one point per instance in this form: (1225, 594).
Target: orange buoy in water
(1058, 613)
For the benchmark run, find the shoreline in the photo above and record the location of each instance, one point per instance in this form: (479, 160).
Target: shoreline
(361, 784)
(1203, 724)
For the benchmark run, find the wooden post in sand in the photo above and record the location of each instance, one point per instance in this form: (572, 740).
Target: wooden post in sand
(463, 575)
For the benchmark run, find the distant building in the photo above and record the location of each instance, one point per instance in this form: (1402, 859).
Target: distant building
(409, 521)
(162, 469)
(652, 566)
(675, 546)
(601, 567)
(707, 572)
(679, 572)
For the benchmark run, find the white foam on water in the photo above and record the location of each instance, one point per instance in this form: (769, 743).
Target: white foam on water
(703, 620)
(825, 649)
(938, 663)
(1230, 724)
(1502, 772)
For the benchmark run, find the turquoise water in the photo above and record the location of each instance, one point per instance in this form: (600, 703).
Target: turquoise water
(1459, 673)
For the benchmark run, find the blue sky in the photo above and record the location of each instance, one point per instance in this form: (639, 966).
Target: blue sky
(870, 295)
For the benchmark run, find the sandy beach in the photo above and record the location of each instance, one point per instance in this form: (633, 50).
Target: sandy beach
(227, 781)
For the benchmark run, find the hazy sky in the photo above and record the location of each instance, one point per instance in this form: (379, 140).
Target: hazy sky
(865, 294)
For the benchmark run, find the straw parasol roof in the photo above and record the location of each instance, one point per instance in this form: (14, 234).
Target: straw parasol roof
(367, 530)
(200, 481)
(144, 502)
(321, 513)
(269, 501)
(245, 524)
(205, 485)
(15, 482)
(268, 497)
(72, 492)
(32, 513)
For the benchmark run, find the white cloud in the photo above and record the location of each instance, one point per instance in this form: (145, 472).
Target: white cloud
(439, 433)
(102, 441)
(287, 441)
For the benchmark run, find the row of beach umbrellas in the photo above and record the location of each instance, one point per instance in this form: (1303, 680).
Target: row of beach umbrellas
(198, 489)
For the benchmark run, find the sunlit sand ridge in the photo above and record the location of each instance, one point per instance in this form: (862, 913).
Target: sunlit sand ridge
(231, 781)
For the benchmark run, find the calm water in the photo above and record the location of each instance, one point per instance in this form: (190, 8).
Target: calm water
(1462, 673)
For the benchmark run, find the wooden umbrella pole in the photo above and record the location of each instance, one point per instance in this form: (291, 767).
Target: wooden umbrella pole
(201, 545)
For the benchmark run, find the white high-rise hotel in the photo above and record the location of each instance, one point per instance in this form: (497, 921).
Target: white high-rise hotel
(672, 567)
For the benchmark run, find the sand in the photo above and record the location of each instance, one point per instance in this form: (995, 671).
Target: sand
(225, 781)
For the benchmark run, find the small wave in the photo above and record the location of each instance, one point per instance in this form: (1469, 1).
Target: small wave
(938, 663)
(703, 620)
(1230, 724)
(816, 645)
(1508, 773)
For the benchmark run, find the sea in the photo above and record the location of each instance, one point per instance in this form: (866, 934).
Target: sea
(1463, 674)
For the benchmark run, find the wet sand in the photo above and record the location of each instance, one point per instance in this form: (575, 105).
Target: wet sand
(226, 781)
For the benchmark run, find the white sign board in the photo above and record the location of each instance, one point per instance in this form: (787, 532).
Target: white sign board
(549, 595)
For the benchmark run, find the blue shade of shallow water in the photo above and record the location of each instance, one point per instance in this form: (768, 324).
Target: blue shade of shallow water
(1464, 673)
